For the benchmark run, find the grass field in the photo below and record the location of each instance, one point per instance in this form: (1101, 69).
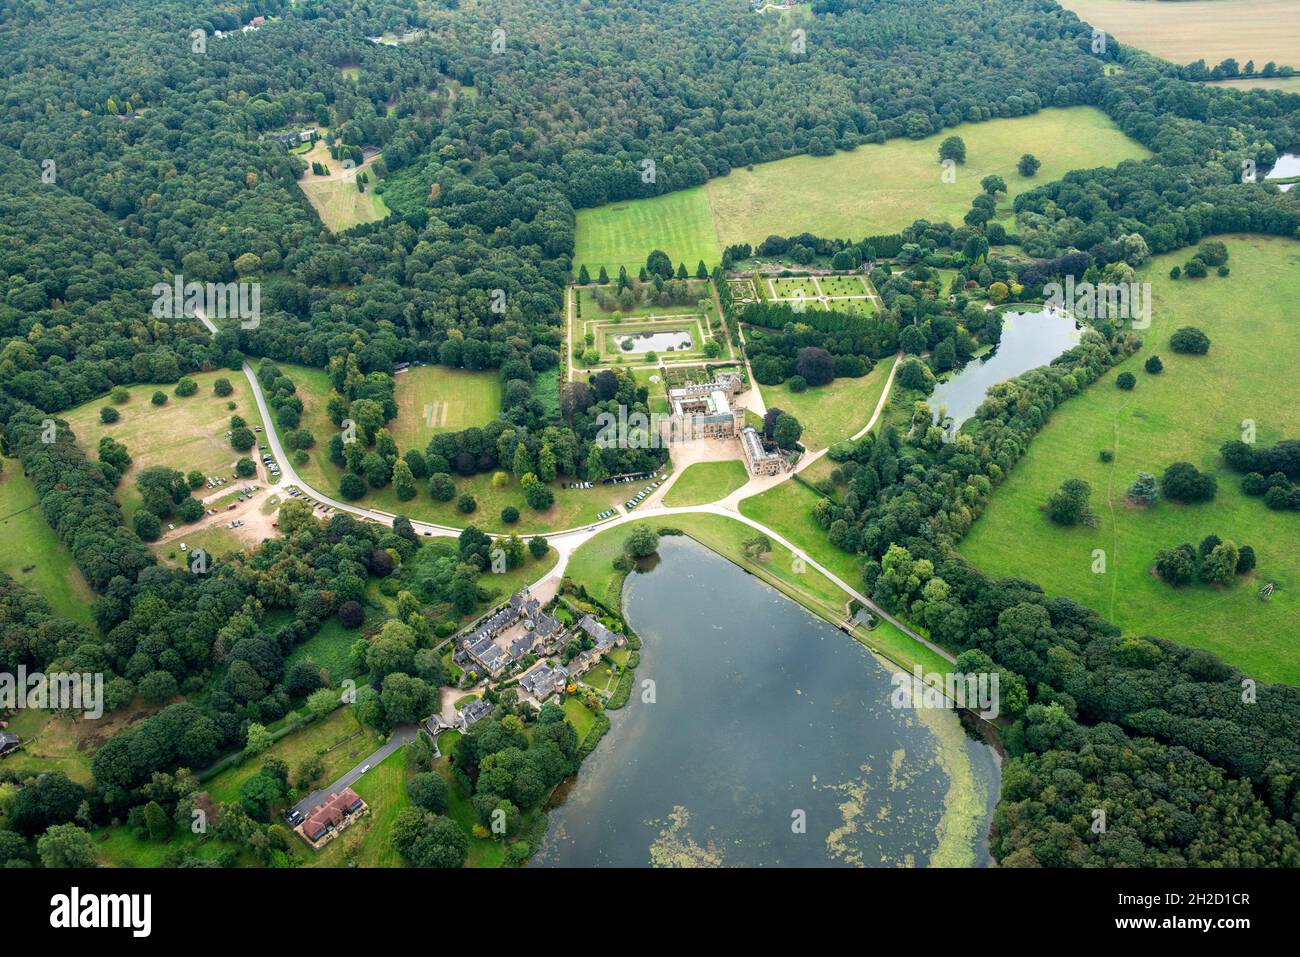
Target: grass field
(184, 434)
(872, 189)
(335, 196)
(1186, 413)
(62, 742)
(1259, 30)
(829, 413)
(707, 482)
(433, 399)
(366, 843)
(32, 554)
(624, 233)
(329, 648)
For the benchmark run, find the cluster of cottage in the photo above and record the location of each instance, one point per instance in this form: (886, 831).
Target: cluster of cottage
(495, 646)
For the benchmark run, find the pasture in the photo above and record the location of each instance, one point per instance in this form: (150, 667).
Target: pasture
(184, 433)
(1290, 84)
(433, 399)
(33, 555)
(1259, 30)
(876, 188)
(1184, 414)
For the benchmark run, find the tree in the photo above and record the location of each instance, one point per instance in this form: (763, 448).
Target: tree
(403, 481)
(1126, 381)
(257, 739)
(510, 515)
(1183, 482)
(815, 365)
(50, 799)
(538, 547)
(222, 387)
(351, 614)
(953, 148)
(186, 387)
(1190, 341)
(786, 431)
(584, 277)
(322, 701)
(467, 504)
(1069, 504)
(993, 184)
(352, 486)
(1028, 165)
(158, 398)
(1153, 365)
(147, 525)
(642, 543)
(1220, 566)
(1144, 490)
(428, 791)
(157, 687)
(441, 487)
(66, 846)
(406, 699)
(108, 415)
(242, 439)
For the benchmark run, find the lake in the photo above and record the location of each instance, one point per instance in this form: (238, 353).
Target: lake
(762, 715)
(1029, 340)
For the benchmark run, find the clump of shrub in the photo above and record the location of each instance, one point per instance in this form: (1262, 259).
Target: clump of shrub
(1215, 561)
(1126, 381)
(1184, 482)
(1154, 365)
(1190, 341)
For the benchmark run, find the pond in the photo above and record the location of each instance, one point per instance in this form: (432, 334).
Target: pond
(1029, 340)
(764, 715)
(670, 341)
(1286, 167)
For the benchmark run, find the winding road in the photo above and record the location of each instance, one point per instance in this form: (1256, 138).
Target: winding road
(566, 542)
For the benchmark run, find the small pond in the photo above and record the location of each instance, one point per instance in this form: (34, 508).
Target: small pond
(1286, 167)
(674, 340)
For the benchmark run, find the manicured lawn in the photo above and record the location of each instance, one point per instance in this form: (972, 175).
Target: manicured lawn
(877, 188)
(1261, 30)
(217, 540)
(707, 482)
(580, 716)
(432, 399)
(183, 434)
(367, 842)
(1185, 414)
(829, 413)
(623, 233)
(33, 554)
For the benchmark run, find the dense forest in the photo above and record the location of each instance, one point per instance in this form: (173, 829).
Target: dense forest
(128, 154)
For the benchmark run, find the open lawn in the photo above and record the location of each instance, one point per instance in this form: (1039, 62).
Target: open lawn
(328, 648)
(623, 233)
(1259, 30)
(1184, 414)
(707, 482)
(876, 188)
(579, 715)
(334, 195)
(217, 540)
(433, 399)
(183, 434)
(829, 413)
(61, 742)
(32, 554)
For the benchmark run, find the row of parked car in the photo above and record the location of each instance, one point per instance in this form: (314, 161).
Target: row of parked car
(575, 485)
(640, 496)
(298, 493)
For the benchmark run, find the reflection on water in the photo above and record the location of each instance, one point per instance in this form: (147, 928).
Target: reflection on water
(1286, 167)
(770, 741)
(1029, 340)
(676, 339)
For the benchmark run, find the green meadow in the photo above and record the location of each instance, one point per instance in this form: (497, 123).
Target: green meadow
(876, 188)
(1185, 413)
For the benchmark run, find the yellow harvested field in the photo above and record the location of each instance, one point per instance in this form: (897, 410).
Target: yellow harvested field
(1259, 30)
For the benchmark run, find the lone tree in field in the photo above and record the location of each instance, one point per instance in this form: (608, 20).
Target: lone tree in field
(993, 184)
(953, 148)
(1183, 482)
(1190, 341)
(1144, 490)
(1069, 504)
(1028, 165)
(641, 543)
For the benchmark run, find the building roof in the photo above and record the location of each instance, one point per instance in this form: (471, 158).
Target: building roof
(754, 445)
(544, 679)
(476, 710)
(327, 814)
(8, 738)
(603, 637)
